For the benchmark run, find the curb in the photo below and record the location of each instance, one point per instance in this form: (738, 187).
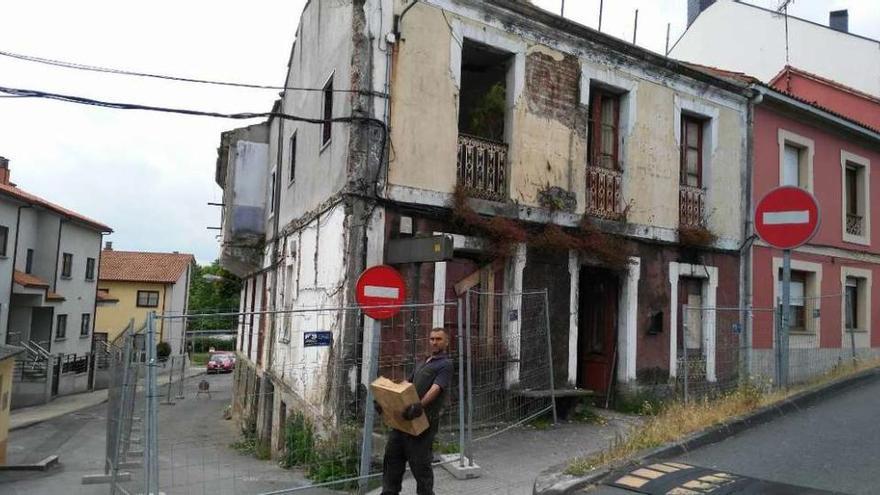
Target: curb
(33, 422)
(554, 481)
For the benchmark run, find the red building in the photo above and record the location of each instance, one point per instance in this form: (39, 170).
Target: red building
(822, 137)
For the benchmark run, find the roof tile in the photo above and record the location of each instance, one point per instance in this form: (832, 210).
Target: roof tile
(133, 266)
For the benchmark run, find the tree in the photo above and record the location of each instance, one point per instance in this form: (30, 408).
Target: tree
(219, 292)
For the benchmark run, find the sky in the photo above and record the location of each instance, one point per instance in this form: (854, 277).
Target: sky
(150, 176)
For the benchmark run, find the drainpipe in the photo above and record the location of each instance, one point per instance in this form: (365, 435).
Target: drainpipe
(97, 283)
(12, 273)
(57, 254)
(745, 251)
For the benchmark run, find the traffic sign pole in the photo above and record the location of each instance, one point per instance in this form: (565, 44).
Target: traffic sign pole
(786, 320)
(785, 218)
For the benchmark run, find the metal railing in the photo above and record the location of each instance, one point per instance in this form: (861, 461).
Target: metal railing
(604, 189)
(854, 224)
(691, 206)
(482, 167)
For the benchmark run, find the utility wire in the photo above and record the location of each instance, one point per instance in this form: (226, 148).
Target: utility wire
(109, 70)
(31, 93)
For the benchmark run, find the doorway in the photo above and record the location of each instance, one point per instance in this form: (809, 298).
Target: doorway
(597, 328)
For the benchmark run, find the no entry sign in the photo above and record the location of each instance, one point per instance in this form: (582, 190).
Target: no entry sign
(787, 217)
(380, 291)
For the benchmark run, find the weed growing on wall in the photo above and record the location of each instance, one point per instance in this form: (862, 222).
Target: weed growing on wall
(504, 233)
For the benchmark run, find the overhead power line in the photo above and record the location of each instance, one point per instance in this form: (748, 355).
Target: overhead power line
(123, 72)
(31, 93)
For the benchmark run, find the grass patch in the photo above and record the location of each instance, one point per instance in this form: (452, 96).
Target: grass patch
(445, 447)
(541, 423)
(589, 416)
(199, 358)
(324, 460)
(675, 420)
(251, 444)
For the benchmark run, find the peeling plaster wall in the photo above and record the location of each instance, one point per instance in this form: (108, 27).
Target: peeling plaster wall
(424, 108)
(313, 275)
(323, 48)
(547, 124)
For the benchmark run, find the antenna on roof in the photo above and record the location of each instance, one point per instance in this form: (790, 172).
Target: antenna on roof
(783, 9)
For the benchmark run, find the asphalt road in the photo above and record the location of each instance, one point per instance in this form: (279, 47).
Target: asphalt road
(833, 446)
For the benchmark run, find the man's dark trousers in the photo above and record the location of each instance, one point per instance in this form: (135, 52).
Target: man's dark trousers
(403, 448)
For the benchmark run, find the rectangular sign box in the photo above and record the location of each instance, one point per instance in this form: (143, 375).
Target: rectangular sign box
(419, 250)
(317, 339)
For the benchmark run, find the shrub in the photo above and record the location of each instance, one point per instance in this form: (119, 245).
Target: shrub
(299, 441)
(163, 350)
(202, 344)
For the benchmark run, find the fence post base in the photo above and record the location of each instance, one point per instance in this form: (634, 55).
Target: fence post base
(468, 471)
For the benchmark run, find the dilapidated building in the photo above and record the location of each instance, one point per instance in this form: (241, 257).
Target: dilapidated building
(552, 155)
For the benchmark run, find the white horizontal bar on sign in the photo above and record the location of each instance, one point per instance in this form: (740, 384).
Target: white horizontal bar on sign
(384, 292)
(786, 217)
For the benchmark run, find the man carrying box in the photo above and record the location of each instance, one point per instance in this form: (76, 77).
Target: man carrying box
(431, 379)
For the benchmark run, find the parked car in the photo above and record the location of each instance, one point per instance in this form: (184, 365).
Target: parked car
(220, 363)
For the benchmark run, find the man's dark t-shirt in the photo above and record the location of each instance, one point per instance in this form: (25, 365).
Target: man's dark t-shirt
(437, 369)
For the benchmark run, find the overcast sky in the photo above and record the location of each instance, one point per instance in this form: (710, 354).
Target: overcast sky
(150, 176)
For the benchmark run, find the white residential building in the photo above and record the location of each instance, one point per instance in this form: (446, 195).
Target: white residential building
(49, 258)
(735, 35)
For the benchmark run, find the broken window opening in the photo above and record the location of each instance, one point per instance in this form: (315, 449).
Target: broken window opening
(483, 96)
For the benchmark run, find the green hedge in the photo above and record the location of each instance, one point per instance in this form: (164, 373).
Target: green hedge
(203, 344)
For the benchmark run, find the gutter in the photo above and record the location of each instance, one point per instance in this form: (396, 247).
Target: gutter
(769, 94)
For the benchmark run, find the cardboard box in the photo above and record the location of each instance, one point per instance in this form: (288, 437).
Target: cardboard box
(394, 398)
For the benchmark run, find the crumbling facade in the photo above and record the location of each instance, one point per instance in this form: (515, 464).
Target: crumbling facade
(554, 156)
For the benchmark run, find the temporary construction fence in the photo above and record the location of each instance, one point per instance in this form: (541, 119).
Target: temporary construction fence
(310, 391)
(719, 349)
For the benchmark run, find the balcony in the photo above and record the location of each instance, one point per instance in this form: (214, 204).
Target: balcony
(691, 206)
(604, 190)
(482, 167)
(854, 225)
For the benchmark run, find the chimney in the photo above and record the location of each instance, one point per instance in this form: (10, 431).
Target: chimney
(695, 7)
(108, 246)
(838, 20)
(4, 170)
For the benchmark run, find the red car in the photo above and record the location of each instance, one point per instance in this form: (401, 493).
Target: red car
(221, 363)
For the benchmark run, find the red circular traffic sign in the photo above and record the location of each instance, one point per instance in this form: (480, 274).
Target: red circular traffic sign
(380, 291)
(787, 217)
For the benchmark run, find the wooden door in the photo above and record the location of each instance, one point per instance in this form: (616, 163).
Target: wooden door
(597, 329)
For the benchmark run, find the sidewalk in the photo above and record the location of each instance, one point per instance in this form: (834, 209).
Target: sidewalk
(28, 416)
(511, 461)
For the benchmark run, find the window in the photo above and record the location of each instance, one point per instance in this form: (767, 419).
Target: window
(604, 129)
(791, 166)
(85, 325)
(851, 311)
(67, 265)
(61, 327)
(691, 152)
(90, 268)
(795, 160)
(797, 320)
(4, 236)
(292, 177)
(327, 114)
(147, 298)
(856, 198)
(29, 261)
